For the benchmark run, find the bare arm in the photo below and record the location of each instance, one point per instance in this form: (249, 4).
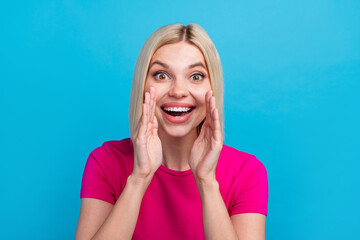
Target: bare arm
(249, 226)
(216, 220)
(218, 224)
(100, 220)
(203, 161)
(93, 213)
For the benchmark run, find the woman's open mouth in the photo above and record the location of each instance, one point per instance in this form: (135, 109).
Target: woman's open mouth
(177, 114)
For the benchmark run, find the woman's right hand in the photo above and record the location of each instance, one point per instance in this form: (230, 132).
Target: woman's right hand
(147, 144)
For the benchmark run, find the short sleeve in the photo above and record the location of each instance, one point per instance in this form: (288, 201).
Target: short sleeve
(95, 183)
(252, 193)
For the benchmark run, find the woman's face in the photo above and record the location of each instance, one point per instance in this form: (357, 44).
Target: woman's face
(179, 75)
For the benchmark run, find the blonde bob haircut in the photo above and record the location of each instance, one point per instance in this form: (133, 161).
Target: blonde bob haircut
(173, 33)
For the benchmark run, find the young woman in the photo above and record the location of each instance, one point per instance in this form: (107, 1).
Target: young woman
(174, 178)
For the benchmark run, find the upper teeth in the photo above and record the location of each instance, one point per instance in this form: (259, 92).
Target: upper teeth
(177, 109)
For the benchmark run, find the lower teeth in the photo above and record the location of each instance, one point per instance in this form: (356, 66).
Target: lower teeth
(181, 114)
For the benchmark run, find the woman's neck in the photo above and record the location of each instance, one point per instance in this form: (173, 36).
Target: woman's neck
(176, 150)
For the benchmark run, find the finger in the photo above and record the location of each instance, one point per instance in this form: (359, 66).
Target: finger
(148, 112)
(155, 129)
(210, 109)
(217, 128)
(156, 124)
(147, 103)
(144, 120)
(208, 130)
(150, 105)
(153, 104)
(207, 106)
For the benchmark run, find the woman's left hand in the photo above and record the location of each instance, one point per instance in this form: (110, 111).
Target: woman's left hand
(206, 149)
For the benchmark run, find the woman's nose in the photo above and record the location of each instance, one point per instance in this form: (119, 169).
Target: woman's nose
(178, 89)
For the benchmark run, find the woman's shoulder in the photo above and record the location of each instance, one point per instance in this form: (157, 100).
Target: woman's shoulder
(113, 150)
(237, 159)
(115, 155)
(123, 146)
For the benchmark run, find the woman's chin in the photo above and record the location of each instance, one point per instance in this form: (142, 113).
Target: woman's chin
(178, 131)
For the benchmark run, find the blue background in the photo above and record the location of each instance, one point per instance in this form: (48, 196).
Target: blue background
(291, 70)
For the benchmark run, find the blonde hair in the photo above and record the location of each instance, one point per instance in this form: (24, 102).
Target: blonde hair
(173, 33)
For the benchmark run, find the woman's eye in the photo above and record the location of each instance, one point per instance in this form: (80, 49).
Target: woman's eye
(198, 76)
(160, 75)
(164, 76)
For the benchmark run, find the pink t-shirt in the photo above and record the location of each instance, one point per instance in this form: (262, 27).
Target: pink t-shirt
(171, 207)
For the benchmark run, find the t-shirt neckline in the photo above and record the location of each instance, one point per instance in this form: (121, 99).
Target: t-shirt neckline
(168, 170)
(175, 172)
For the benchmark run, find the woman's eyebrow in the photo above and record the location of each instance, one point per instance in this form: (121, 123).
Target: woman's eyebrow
(167, 66)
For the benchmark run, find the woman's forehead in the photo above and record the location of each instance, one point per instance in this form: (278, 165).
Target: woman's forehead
(177, 51)
(178, 54)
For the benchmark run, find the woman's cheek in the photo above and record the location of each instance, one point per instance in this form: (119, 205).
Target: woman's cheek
(160, 90)
(200, 96)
